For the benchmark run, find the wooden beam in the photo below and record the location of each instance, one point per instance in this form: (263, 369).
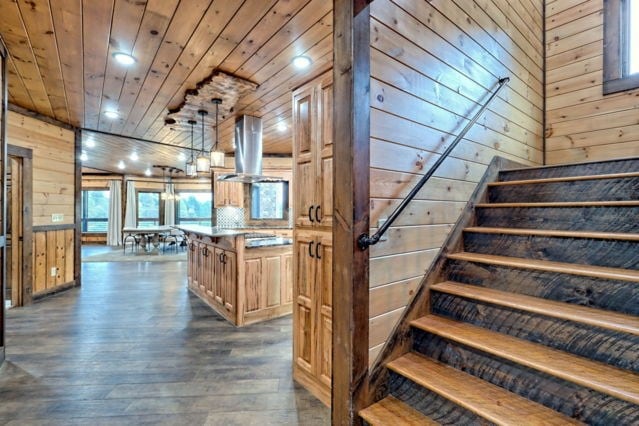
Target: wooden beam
(24, 111)
(77, 189)
(351, 133)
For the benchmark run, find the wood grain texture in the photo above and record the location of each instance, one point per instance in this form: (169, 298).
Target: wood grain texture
(612, 381)
(392, 410)
(582, 123)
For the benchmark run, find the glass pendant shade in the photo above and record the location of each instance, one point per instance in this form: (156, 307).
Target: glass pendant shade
(202, 163)
(191, 169)
(217, 159)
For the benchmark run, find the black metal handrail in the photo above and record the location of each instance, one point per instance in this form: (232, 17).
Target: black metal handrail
(365, 240)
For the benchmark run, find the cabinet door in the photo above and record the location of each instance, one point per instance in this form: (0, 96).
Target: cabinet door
(218, 290)
(304, 304)
(229, 263)
(208, 268)
(191, 266)
(287, 278)
(253, 285)
(325, 152)
(235, 194)
(303, 148)
(324, 280)
(201, 276)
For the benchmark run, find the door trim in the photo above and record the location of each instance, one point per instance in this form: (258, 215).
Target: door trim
(26, 155)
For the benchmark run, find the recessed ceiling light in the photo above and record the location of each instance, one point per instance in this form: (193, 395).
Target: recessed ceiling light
(147, 172)
(121, 165)
(124, 58)
(181, 156)
(111, 114)
(134, 156)
(84, 156)
(302, 62)
(90, 143)
(281, 126)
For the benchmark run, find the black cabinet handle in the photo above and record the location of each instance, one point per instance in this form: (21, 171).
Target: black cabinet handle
(318, 210)
(219, 256)
(205, 252)
(310, 249)
(224, 258)
(317, 250)
(310, 212)
(191, 246)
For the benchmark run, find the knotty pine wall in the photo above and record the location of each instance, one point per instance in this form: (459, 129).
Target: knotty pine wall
(581, 123)
(53, 192)
(431, 61)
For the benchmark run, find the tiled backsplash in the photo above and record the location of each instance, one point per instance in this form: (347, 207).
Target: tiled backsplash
(230, 217)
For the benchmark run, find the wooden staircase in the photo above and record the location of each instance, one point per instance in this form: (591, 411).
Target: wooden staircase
(535, 319)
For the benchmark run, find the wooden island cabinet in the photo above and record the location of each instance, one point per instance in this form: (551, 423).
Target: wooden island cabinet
(246, 280)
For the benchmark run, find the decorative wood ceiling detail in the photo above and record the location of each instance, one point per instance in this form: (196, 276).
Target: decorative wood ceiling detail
(219, 85)
(61, 64)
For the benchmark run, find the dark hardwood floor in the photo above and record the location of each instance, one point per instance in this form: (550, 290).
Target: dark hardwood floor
(133, 346)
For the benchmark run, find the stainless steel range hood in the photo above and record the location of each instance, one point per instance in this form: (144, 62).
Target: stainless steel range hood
(248, 152)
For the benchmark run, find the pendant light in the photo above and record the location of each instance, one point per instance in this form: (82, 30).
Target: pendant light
(203, 162)
(190, 166)
(217, 157)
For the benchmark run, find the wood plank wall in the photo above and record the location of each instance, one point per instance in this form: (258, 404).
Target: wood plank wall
(581, 123)
(430, 64)
(53, 192)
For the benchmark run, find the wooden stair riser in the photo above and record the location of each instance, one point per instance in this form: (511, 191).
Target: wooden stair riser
(430, 403)
(613, 348)
(622, 189)
(600, 168)
(610, 253)
(604, 219)
(565, 397)
(620, 296)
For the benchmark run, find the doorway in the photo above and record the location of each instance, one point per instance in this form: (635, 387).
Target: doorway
(19, 237)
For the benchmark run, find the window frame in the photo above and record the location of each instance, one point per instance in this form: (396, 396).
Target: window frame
(248, 200)
(84, 220)
(160, 218)
(177, 207)
(616, 48)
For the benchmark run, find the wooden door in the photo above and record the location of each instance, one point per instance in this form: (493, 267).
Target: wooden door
(324, 280)
(229, 264)
(303, 148)
(15, 229)
(325, 151)
(218, 292)
(304, 304)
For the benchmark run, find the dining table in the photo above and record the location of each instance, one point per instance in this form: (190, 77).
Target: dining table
(149, 236)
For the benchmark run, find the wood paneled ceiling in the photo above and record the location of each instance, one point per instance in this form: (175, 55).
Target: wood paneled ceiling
(61, 64)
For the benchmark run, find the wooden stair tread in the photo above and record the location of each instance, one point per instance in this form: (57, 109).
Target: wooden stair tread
(609, 380)
(627, 203)
(391, 410)
(554, 233)
(482, 398)
(566, 311)
(544, 265)
(565, 179)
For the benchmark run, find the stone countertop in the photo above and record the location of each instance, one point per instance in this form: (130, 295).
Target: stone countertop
(212, 231)
(268, 242)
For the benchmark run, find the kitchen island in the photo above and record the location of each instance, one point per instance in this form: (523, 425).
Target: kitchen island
(244, 275)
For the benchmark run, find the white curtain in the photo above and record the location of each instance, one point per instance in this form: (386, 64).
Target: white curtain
(130, 218)
(169, 205)
(114, 229)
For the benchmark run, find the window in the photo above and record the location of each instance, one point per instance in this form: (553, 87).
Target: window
(269, 200)
(621, 45)
(194, 208)
(95, 210)
(148, 209)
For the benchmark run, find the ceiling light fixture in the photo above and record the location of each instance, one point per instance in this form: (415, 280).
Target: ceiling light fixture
(191, 171)
(147, 172)
(124, 58)
(111, 114)
(281, 126)
(134, 156)
(181, 156)
(90, 143)
(203, 162)
(302, 62)
(217, 157)
(84, 156)
(121, 165)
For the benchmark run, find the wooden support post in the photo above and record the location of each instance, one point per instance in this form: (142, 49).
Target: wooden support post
(77, 252)
(351, 133)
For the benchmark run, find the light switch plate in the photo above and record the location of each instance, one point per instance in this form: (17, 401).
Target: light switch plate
(57, 217)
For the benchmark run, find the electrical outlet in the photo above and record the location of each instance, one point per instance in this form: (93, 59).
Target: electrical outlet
(54, 271)
(57, 217)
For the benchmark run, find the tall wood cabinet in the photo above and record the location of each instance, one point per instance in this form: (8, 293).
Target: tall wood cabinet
(313, 239)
